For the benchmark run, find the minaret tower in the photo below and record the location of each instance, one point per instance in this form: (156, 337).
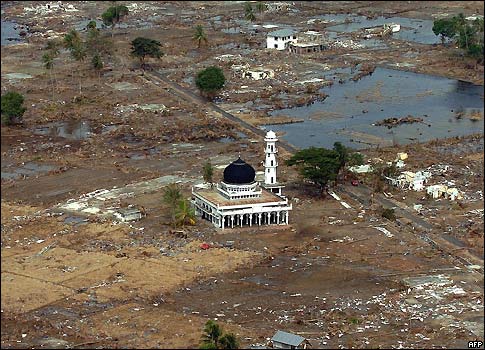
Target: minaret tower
(270, 163)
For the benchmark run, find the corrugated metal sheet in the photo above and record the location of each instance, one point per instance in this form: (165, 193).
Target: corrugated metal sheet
(287, 338)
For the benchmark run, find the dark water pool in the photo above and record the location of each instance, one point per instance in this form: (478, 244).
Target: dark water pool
(349, 111)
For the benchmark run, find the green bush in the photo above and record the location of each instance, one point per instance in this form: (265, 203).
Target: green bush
(389, 214)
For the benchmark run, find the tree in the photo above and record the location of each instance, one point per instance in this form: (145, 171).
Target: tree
(114, 15)
(208, 172)
(12, 108)
(142, 47)
(318, 165)
(71, 39)
(210, 81)
(171, 197)
(347, 156)
(467, 35)
(78, 52)
(212, 333)
(48, 61)
(91, 25)
(261, 7)
(213, 338)
(444, 27)
(248, 12)
(229, 341)
(184, 213)
(199, 35)
(97, 63)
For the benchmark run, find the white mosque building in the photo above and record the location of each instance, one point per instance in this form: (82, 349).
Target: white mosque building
(239, 200)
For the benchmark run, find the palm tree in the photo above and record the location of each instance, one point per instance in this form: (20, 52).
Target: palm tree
(185, 213)
(171, 197)
(212, 333)
(48, 61)
(53, 50)
(71, 39)
(261, 7)
(97, 64)
(229, 341)
(248, 12)
(78, 52)
(208, 172)
(200, 35)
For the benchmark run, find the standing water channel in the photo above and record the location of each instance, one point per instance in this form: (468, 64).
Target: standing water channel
(348, 113)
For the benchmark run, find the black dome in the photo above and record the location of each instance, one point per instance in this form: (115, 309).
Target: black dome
(239, 172)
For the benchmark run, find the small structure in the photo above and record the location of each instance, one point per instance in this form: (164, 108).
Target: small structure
(453, 193)
(437, 191)
(309, 41)
(259, 73)
(129, 214)
(411, 180)
(401, 156)
(361, 169)
(284, 340)
(279, 39)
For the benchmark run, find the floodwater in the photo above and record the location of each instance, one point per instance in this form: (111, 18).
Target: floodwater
(351, 108)
(416, 30)
(9, 171)
(71, 130)
(10, 31)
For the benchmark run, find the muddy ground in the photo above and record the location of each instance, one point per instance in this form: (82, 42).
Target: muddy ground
(74, 279)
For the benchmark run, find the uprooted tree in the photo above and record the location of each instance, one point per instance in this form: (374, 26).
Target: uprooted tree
(209, 81)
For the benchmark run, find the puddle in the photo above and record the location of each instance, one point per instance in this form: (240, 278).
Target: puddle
(11, 33)
(71, 130)
(229, 139)
(75, 220)
(12, 172)
(16, 76)
(386, 93)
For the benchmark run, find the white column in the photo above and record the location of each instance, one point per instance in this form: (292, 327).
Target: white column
(278, 217)
(241, 217)
(250, 219)
(287, 217)
(223, 219)
(270, 163)
(232, 221)
(259, 219)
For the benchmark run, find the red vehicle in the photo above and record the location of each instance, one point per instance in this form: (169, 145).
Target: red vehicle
(355, 182)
